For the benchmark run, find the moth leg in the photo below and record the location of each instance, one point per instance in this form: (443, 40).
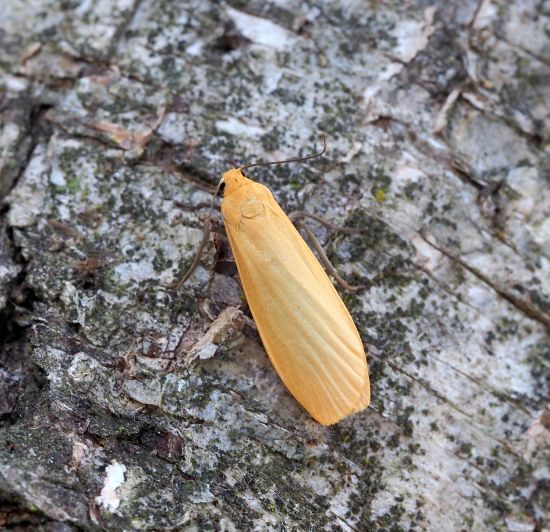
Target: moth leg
(209, 227)
(195, 206)
(298, 215)
(214, 227)
(205, 234)
(326, 262)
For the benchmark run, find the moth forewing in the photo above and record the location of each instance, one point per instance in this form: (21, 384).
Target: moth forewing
(305, 327)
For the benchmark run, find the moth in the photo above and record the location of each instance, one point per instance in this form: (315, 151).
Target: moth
(304, 325)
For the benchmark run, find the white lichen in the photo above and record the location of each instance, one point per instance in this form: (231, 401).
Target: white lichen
(114, 479)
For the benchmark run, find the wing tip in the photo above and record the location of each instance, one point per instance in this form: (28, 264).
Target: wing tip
(363, 402)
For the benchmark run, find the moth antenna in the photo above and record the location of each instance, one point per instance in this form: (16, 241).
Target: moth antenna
(293, 160)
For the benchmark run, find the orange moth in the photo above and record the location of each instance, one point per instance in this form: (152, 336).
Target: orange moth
(305, 327)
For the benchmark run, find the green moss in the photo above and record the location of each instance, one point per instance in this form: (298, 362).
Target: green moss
(466, 448)
(271, 140)
(507, 327)
(404, 421)
(73, 185)
(411, 189)
(393, 441)
(295, 184)
(369, 484)
(390, 519)
(160, 262)
(380, 195)
(445, 222)
(380, 181)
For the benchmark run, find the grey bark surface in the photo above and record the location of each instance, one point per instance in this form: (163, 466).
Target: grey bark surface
(127, 406)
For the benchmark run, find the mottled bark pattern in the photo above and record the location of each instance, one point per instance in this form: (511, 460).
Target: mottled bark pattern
(124, 405)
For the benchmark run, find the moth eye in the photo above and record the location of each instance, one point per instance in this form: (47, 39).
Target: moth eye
(252, 208)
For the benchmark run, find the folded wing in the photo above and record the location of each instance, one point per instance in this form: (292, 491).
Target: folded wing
(306, 329)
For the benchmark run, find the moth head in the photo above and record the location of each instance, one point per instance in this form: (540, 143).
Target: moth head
(233, 179)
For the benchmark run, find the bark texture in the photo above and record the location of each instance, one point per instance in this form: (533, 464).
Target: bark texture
(126, 406)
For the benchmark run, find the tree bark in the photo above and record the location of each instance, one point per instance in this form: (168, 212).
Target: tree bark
(125, 405)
